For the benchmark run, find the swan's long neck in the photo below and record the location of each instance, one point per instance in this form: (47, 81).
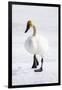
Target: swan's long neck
(34, 30)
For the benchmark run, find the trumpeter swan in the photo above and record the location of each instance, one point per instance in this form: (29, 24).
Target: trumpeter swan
(36, 44)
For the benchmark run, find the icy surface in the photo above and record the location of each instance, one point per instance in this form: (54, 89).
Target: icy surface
(47, 21)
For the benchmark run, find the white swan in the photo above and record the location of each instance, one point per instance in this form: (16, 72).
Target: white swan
(36, 44)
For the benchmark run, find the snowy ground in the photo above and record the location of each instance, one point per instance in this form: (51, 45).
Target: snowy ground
(22, 73)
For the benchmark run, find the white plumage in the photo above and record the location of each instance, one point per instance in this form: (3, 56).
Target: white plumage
(36, 44)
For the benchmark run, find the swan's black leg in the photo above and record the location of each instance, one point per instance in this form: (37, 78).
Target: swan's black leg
(41, 68)
(35, 62)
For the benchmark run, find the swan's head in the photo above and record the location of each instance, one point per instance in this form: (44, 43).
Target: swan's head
(29, 24)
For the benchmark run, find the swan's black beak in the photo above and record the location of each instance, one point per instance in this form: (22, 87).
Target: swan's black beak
(29, 24)
(27, 28)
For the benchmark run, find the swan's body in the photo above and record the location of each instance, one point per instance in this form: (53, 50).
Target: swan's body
(36, 44)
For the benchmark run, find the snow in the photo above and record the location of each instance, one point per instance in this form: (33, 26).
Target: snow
(22, 73)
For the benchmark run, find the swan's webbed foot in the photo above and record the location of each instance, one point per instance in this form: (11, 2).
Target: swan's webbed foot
(34, 66)
(39, 70)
